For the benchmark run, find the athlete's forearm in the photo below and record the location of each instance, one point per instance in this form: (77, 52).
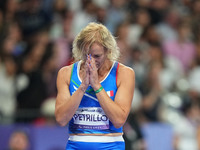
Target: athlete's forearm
(65, 111)
(116, 114)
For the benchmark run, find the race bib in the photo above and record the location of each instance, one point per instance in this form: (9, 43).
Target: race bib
(90, 118)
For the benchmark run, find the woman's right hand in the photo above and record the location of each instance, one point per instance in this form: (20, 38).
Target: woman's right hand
(85, 80)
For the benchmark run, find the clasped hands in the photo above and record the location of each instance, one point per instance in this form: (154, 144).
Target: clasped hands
(90, 76)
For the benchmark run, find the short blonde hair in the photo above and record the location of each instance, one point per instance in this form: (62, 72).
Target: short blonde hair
(95, 33)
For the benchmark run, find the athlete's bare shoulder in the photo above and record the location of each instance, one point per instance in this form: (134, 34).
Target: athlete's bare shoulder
(125, 73)
(125, 69)
(65, 69)
(64, 73)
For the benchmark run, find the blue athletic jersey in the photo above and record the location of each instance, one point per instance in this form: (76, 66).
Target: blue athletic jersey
(90, 117)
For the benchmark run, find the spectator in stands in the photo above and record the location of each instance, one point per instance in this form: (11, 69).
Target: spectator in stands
(19, 140)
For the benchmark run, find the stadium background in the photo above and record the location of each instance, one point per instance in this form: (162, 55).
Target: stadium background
(159, 39)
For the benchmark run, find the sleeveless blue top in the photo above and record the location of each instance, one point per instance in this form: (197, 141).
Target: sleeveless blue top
(90, 117)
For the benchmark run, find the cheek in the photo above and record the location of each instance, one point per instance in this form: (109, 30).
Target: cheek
(99, 62)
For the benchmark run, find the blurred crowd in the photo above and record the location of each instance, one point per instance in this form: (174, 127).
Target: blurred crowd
(159, 39)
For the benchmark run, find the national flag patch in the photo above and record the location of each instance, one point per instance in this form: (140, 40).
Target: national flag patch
(110, 93)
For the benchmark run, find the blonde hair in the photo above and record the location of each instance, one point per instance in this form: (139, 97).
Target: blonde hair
(95, 33)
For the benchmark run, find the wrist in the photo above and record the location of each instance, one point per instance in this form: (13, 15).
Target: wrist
(96, 87)
(83, 88)
(99, 90)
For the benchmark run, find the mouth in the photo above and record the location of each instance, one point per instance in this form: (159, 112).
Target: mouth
(97, 65)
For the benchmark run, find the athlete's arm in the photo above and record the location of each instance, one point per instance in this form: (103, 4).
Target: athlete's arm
(66, 105)
(117, 111)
